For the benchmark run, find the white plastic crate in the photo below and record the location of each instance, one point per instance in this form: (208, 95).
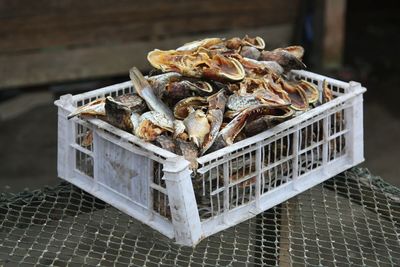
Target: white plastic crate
(231, 185)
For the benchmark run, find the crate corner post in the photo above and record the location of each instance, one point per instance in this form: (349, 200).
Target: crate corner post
(355, 119)
(65, 133)
(185, 216)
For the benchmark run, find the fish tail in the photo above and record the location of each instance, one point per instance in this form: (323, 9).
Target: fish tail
(139, 82)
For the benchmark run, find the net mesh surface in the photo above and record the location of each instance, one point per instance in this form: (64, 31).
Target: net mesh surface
(352, 219)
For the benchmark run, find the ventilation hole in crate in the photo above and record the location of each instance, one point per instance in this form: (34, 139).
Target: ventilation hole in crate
(341, 123)
(335, 89)
(161, 204)
(241, 167)
(310, 135)
(310, 80)
(304, 135)
(216, 204)
(337, 147)
(268, 154)
(209, 194)
(208, 188)
(242, 193)
(310, 160)
(158, 174)
(84, 137)
(205, 212)
(241, 177)
(160, 200)
(286, 148)
(342, 145)
(336, 122)
(277, 161)
(84, 163)
(287, 170)
(277, 150)
(276, 176)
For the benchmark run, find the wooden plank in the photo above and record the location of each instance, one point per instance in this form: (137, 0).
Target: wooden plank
(22, 69)
(23, 103)
(43, 25)
(334, 28)
(326, 49)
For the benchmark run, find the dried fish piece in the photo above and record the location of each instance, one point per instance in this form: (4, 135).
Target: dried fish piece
(119, 110)
(228, 133)
(204, 43)
(132, 101)
(160, 82)
(217, 101)
(256, 42)
(215, 115)
(197, 126)
(238, 102)
(236, 43)
(326, 92)
(261, 90)
(199, 64)
(250, 52)
(185, 88)
(153, 124)
(94, 108)
(298, 97)
(87, 139)
(259, 69)
(181, 109)
(287, 60)
(311, 91)
(144, 89)
(215, 118)
(179, 130)
(295, 50)
(118, 114)
(189, 151)
(275, 116)
(166, 142)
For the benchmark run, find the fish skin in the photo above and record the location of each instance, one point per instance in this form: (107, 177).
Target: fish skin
(144, 89)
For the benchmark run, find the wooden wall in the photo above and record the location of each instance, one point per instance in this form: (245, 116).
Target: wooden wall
(46, 41)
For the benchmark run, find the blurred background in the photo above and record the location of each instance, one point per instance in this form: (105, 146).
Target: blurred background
(49, 48)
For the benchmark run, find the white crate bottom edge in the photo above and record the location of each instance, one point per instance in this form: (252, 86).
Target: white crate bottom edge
(185, 224)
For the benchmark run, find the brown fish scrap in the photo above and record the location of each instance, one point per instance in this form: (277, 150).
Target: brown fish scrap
(208, 93)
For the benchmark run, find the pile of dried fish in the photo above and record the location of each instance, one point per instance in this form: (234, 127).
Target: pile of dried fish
(210, 93)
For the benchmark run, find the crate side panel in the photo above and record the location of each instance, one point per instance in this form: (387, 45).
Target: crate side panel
(62, 146)
(123, 171)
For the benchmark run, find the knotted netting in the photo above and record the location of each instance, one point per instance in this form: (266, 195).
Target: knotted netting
(352, 219)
